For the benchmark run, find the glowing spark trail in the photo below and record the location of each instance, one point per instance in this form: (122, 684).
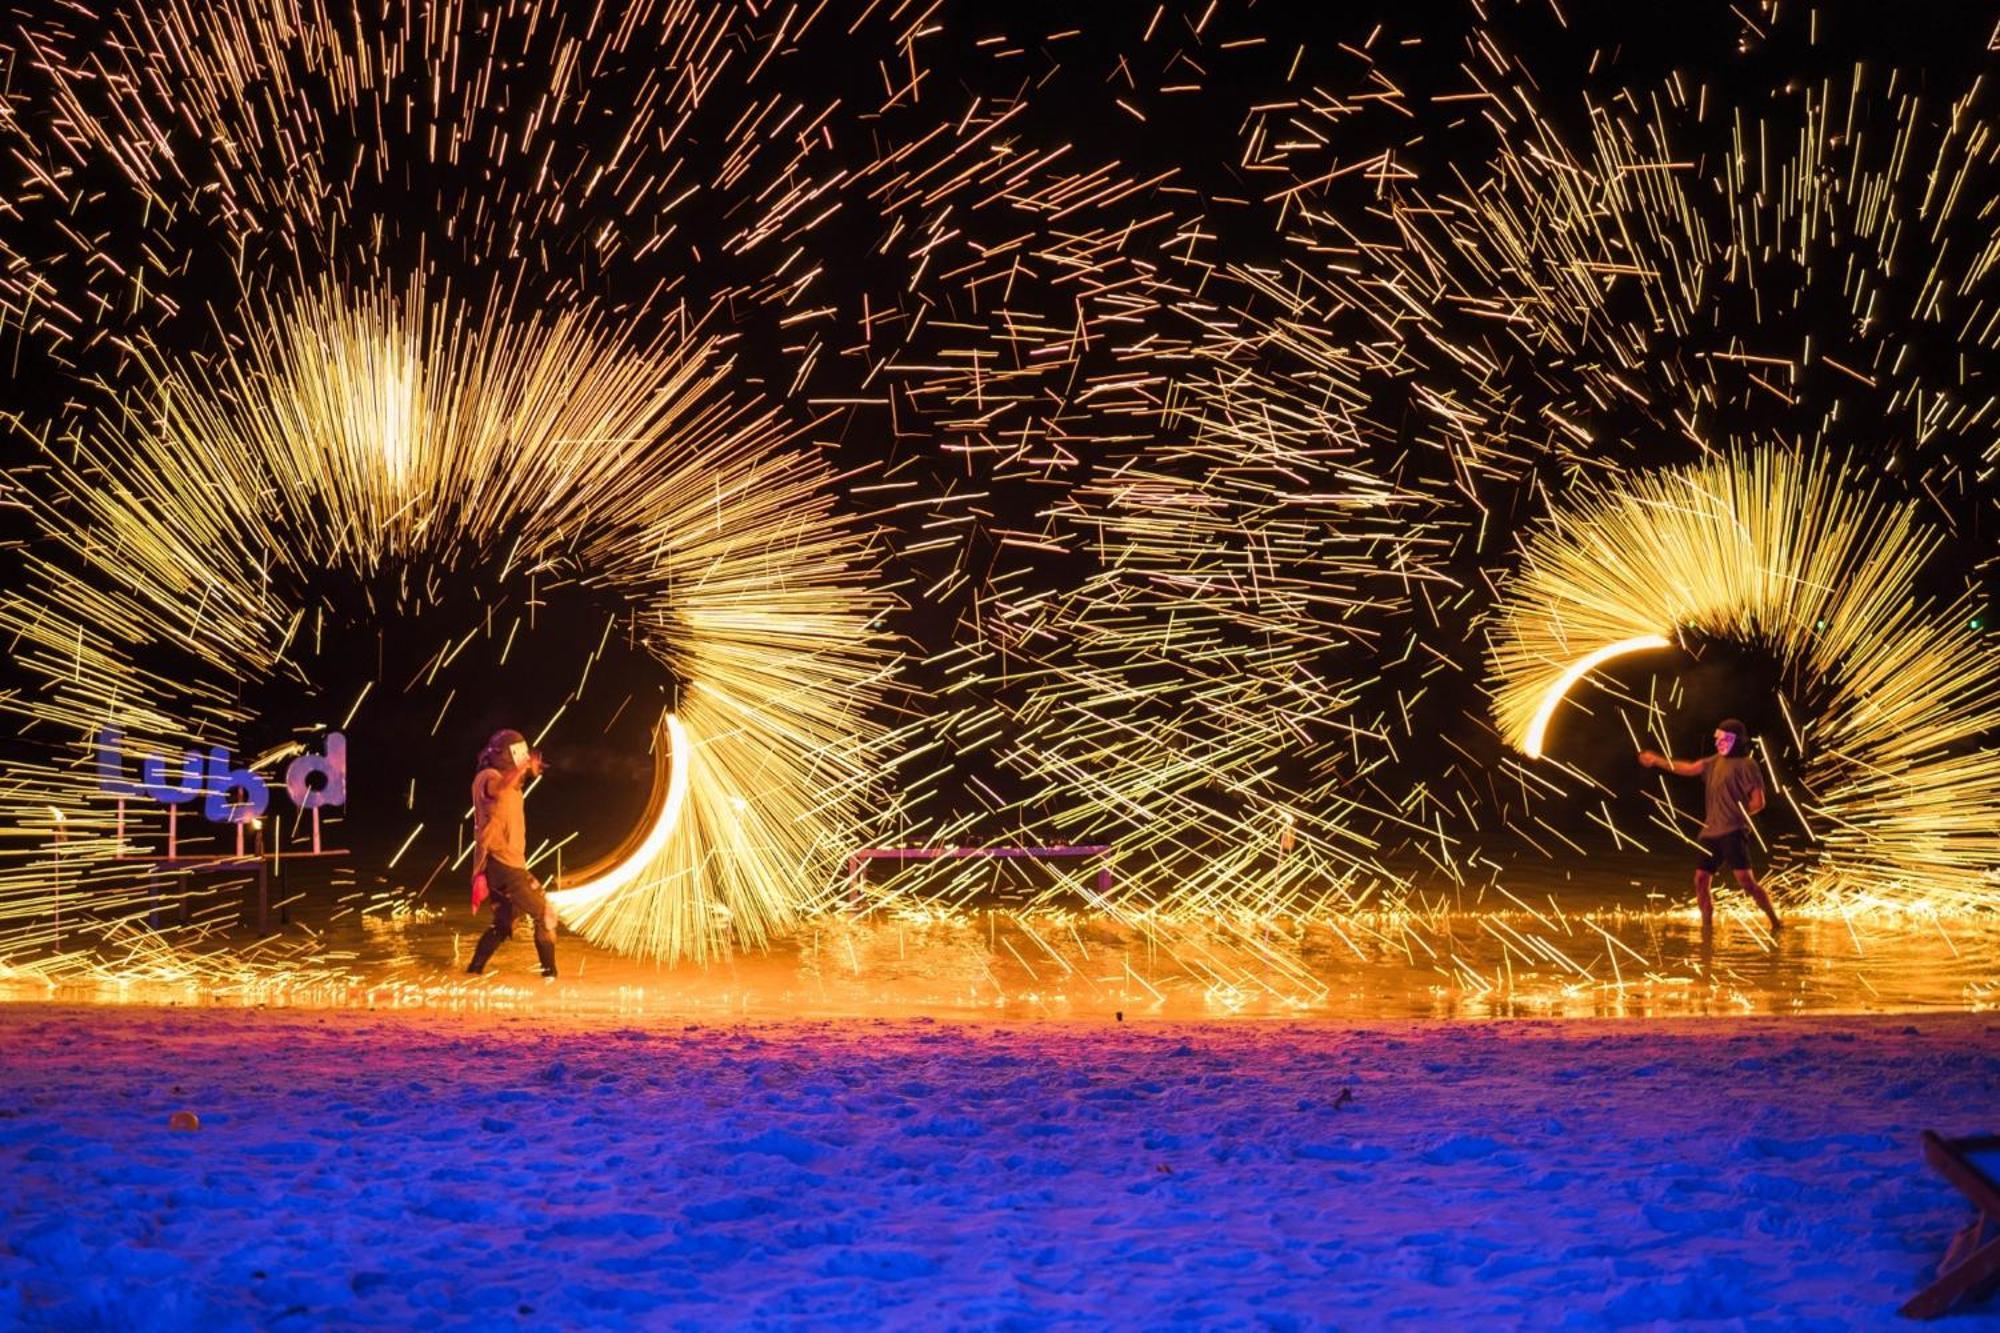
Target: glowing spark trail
(959, 472)
(1536, 732)
(354, 438)
(597, 889)
(1635, 276)
(1892, 698)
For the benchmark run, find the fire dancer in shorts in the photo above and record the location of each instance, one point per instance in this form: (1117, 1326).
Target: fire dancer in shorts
(1735, 790)
(500, 850)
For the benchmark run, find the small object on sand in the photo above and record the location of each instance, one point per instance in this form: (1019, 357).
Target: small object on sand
(184, 1120)
(1346, 1096)
(1121, 1015)
(1970, 1271)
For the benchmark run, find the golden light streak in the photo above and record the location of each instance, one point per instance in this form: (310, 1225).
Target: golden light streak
(633, 471)
(1536, 731)
(1198, 519)
(590, 889)
(1796, 556)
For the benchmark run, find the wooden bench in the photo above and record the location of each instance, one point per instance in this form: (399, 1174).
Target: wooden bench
(1971, 1266)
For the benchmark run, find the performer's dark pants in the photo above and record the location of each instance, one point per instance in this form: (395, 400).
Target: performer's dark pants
(1724, 851)
(515, 893)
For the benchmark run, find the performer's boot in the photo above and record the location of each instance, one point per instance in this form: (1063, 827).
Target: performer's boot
(545, 949)
(484, 950)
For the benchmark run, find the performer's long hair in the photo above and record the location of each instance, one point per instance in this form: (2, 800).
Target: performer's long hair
(495, 753)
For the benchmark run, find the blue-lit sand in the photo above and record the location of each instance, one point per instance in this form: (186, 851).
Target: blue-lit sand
(472, 1170)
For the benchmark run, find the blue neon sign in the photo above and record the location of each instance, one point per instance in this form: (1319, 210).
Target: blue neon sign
(213, 779)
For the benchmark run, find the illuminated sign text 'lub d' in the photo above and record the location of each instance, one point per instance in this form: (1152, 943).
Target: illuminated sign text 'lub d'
(229, 795)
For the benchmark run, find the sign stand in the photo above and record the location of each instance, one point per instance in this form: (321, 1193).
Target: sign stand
(219, 781)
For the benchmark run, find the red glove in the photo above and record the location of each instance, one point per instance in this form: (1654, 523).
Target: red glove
(480, 893)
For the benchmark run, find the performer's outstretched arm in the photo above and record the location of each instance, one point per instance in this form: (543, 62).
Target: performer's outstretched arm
(1687, 768)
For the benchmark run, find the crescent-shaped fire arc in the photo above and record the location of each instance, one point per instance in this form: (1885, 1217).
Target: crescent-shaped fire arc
(1552, 697)
(610, 875)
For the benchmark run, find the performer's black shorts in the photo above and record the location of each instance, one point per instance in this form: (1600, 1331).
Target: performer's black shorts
(515, 893)
(1729, 849)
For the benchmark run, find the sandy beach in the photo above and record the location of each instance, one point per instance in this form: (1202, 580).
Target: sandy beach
(452, 1170)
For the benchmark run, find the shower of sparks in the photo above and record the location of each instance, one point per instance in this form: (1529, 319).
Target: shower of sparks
(1702, 275)
(352, 438)
(1820, 269)
(273, 172)
(1198, 698)
(1889, 700)
(1194, 498)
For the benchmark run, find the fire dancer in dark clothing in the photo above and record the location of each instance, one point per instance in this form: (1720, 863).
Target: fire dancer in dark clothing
(500, 849)
(1735, 791)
